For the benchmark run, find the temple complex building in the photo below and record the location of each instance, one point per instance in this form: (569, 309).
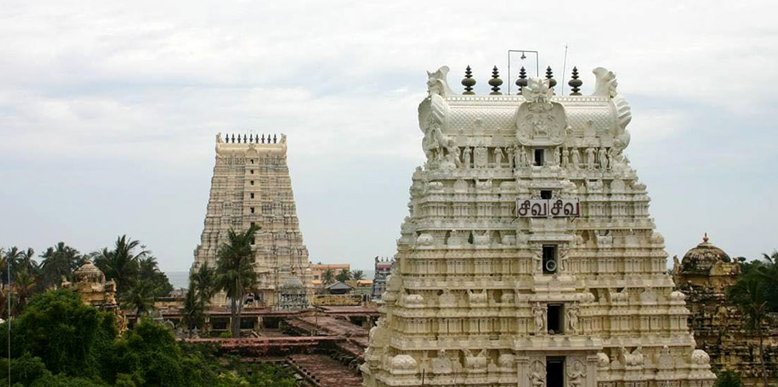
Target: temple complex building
(528, 257)
(704, 274)
(382, 268)
(251, 186)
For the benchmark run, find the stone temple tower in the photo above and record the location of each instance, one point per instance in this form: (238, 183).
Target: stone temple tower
(251, 185)
(529, 257)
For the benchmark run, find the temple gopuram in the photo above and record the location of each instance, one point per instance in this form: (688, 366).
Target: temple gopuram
(251, 186)
(529, 257)
(704, 274)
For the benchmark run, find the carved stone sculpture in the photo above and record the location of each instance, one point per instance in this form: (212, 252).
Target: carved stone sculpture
(475, 259)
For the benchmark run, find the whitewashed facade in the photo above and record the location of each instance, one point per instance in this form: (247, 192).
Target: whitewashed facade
(529, 257)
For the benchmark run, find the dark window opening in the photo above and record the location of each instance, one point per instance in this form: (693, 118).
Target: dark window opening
(252, 182)
(538, 156)
(554, 319)
(251, 195)
(252, 209)
(555, 372)
(253, 240)
(252, 171)
(545, 194)
(549, 259)
(253, 224)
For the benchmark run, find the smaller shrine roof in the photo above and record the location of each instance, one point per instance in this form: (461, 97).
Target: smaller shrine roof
(700, 259)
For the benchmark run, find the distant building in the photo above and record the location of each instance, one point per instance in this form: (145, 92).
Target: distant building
(703, 275)
(251, 186)
(383, 266)
(318, 269)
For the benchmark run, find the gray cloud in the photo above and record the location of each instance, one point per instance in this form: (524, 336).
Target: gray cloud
(108, 111)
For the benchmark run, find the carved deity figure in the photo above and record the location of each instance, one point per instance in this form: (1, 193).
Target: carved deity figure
(554, 156)
(572, 318)
(602, 154)
(539, 117)
(537, 376)
(441, 364)
(589, 158)
(481, 156)
(518, 157)
(576, 158)
(509, 157)
(467, 157)
(576, 374)
(539, 313)
(565, 157)
(498, 156)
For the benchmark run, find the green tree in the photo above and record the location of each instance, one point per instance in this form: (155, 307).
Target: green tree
(344, 275)
(204, 283)
(57, 327)
(18, 260)
(149, 354)
(58, 262)
(148, 269)
(727, 378)
(193, 310)
(328, 276)
(139, 297)
(235, 271)
(749, 294)
(24, 286)
(121, 263)
(357, 275)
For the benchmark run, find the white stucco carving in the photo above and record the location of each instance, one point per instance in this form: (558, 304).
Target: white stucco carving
(483, 293)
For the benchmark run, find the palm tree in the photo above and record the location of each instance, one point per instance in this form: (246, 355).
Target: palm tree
(140, 297)
(58, 262)
(24, 286)
(357, 275)
(193, 310)
(328, 276)
(749, 293)
(344, 275)
(203, 281)
(12, 257)
(121, 264)
(235, 271)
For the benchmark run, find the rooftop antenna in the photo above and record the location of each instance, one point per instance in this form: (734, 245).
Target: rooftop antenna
(564, 70)
(523, 57)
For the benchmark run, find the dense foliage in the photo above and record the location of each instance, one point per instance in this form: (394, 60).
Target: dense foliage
(59, 341)
(756, 295)
(136, 272)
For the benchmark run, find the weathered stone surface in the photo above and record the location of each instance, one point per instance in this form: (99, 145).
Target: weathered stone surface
(704, 274)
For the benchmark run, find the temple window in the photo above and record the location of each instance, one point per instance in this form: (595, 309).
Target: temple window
(554, 319)
(538, 156)
(549, 259)
(545, 194)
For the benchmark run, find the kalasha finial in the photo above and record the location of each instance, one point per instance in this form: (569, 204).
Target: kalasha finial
(468, 82)
(705, 238)
(550, 77)
(495, 82)
(522, 81)
(575, 83)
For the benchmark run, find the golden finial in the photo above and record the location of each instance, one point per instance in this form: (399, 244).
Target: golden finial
(705, 238)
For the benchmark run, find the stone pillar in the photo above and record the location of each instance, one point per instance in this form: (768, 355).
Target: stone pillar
(522, 371)
(591, 371)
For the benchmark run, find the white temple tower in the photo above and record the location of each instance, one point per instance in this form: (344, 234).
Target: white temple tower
(528, 257)
(251, 185)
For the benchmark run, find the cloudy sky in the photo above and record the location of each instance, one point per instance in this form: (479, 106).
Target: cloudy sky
(108, 110)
